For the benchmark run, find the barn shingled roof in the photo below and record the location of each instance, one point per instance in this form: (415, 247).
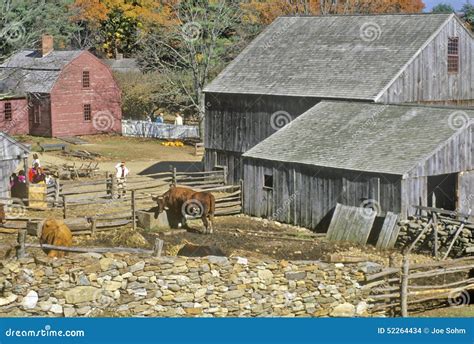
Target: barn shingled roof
(338, 56)
(28, 72)
(367, 137)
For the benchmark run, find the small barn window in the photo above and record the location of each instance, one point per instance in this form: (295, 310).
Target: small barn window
(8, 111)
(36, 114)
(87, 112)
(86, 82)
(453, 54)
(268, 181)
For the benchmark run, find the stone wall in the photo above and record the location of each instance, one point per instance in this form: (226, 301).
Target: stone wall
(411, 228)
(128, 285)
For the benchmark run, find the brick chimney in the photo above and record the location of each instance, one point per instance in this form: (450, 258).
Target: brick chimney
(47, 44)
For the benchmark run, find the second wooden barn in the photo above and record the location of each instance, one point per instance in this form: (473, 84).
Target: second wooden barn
(387, 156)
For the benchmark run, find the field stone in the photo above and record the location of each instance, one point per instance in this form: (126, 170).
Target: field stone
(137, 267)
(7, 300)
(30, 300)
(106, 263)
(56, 309)
(112, 285)
(265, 275)
(295, 275)
(233, 294)
(81, 294)
(83, 310)
(69, 312)
(343, 310)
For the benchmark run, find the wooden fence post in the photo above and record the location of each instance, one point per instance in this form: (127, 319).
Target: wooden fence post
(404, 285)
(57, 192)
(158, 247)
(108, 184)
(241, 196)
(391, 260)
(113, 186)
(64, 206)
(224, 170)
(93, 225)
(134, 215)
(174, 177)
(435, 235)
(21, 250)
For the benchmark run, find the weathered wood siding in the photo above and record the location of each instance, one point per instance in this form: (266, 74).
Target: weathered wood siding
(466, 192)
(234, 123)
(426, 78)
(10, 157)
(232, 160)
(306, 195)
(456, 155)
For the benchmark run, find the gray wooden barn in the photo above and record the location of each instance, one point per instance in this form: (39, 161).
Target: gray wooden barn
(298, 61)
(12, 154)
(353, 153)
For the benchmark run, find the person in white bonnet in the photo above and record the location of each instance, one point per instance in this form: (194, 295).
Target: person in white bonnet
(178, 120)
(121, 174)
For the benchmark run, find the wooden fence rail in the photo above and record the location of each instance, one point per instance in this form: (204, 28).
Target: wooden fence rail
(22, 246)
(404, 287)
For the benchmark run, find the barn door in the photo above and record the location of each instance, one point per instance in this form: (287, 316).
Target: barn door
(267, 199)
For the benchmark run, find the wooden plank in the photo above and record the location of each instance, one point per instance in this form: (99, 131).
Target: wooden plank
(389, 232)
(350, 224)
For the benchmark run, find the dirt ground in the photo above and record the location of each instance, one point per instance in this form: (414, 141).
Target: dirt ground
(140, 154)
(245, 236)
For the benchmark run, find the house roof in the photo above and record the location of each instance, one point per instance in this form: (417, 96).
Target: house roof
(122, 65)
(28, 72)
(337, 56)
(358, 136)
(32, 59)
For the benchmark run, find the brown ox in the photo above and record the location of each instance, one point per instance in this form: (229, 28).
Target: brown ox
(56, 233)
(183, 201)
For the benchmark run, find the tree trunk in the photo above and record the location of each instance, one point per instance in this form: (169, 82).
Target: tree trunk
(202, 114)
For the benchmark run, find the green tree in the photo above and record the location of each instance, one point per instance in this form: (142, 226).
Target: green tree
(443, 8)
(23, 21)
(468, 11)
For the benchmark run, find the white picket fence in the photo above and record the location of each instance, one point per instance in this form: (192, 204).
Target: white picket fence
(160, 131)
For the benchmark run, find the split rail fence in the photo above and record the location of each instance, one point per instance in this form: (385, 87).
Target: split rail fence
(93, 206)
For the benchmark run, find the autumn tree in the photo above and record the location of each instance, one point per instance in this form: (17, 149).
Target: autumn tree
(187, 54)
(115, 26)
(266, 11)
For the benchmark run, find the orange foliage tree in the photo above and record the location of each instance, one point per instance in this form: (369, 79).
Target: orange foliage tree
(264, 12)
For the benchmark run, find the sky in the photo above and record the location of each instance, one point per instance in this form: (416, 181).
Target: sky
(457, 4)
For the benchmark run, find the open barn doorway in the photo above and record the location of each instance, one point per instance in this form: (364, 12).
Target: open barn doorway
(444, 188)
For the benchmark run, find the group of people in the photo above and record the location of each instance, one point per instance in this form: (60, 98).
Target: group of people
(36, 175)
(178, 119)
